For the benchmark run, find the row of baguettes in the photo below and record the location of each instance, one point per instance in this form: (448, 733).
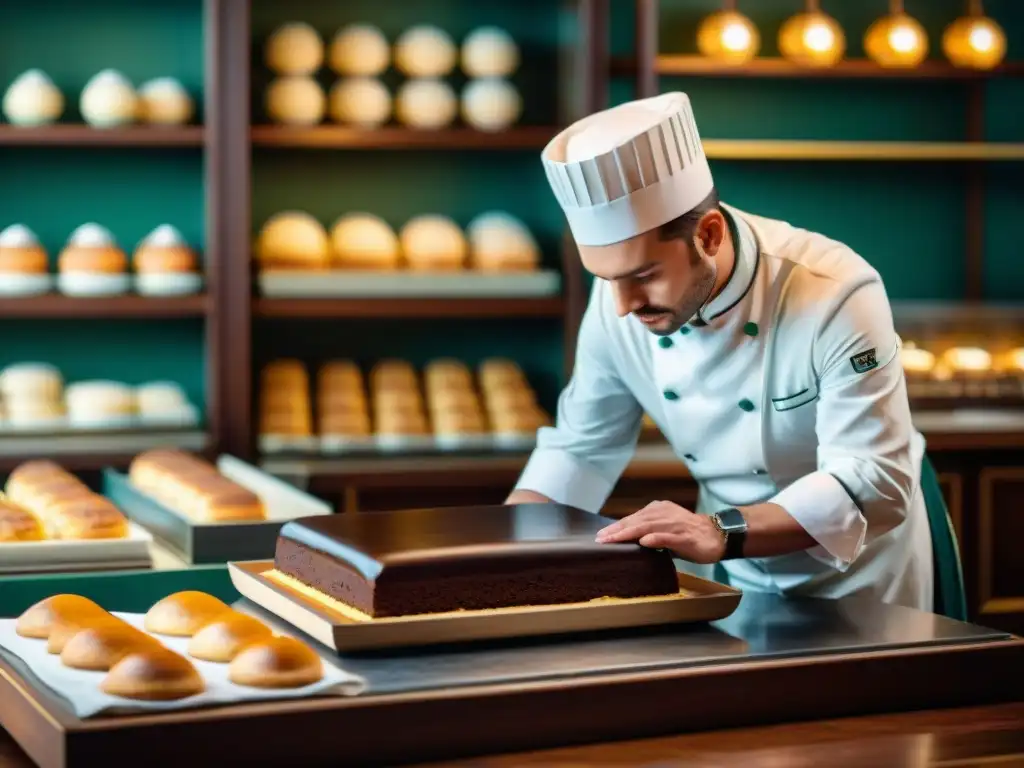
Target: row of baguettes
(193, 487)
(44, 501)
(394, 400)
(86, 636)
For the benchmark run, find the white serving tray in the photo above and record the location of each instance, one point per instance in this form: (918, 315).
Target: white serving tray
(83, 554)
(354, 284)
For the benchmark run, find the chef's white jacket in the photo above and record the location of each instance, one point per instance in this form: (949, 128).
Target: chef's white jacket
(787, 388)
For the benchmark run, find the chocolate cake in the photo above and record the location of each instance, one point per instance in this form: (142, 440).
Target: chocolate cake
(467, 558)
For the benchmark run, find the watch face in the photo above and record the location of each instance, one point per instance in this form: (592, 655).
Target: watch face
(732, 520)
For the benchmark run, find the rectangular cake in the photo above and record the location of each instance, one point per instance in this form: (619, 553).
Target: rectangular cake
(466, 558)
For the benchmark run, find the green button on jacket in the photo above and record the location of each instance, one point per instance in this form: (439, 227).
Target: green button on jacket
(684, 330)
(670, 395)
(746, 405)
(665, 342)
(750, 329)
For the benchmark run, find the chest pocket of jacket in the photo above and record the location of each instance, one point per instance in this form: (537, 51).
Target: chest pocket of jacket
(800, 399)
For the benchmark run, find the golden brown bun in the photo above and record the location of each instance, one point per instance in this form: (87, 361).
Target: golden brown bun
(183, 613)
(87, 517)
(18, 524)
(162, 259)
(153, 674)
(33, 471)
(459, 423)
(230, 504)
(280, 662)
(352, 401)
(511, 399)
(397, 400)
(343, 373)
(284, 369)
(101, 647)
(38, 620)
(355, 424)
(223, 638)
(453, 399)
(29, 260)
(65, 628)
(284, 423)
(401, 424)
(106, 259)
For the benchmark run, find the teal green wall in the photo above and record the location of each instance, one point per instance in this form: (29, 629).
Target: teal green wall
(908, 219)
(54, 190)
(398, 185)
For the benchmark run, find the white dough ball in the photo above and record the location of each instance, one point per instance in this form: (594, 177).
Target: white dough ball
(489, 52)
(362, 101)
(109, 100)
(426, 103)
(296, 100)
(425, 51)
(500, 241)
(294, 49)
(32, 99)
(432, 239)
(491, 104)
(165, 101)
(359, 50)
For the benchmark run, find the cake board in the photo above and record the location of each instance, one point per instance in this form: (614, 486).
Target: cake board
(698, 600)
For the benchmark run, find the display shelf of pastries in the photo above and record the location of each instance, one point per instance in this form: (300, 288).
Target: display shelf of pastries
(330, 91)
(430, 256)
(52, 521)
(189, 649)
(966, 375)
(207, 511)
(391, 408)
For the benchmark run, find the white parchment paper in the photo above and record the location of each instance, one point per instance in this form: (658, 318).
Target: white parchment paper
(81, 688)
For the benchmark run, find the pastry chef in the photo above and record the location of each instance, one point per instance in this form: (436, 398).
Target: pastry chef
(765, 353)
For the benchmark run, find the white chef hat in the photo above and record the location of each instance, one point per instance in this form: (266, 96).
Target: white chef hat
(629, 169)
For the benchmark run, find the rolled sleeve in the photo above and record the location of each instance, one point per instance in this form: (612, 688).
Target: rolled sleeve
(865, 478)
(578, 461)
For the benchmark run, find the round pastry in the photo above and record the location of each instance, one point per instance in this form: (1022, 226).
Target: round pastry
(489, 52)
(164, 402)
(39, 381)
(24, 267)
(365, 241)
(164, 101)
(153, 674)
(359, 50)
(165, 265)
(400, 423)
(65, 628)
(345, 423)
(426, 104)
(33, 100)
(459, 423)
(18, 524)
(916, 361)
(280, 662)
(38, 620)
(397, 400)
(496, 371)
(453, 399)
(432, 243)
(361, 101)
(109, 100)
(225, 636)
(491, 104)
(29, 413)
(447, 373)
(100, 647)
(92, 264)
(343, 374)
(100, 403)
(294, 49)
(968, 360)
(296, 100)
(391, 373)
(499, 242)
(183, 613)
(425, 51)
(509, 398)
(293, 240)
(32, 472)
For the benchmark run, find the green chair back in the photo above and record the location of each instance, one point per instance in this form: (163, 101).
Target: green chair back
(950, 598)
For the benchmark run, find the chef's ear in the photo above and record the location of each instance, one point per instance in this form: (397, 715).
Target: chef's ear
(709, 234)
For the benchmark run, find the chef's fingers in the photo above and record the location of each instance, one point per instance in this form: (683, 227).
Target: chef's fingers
(663, 540)
(631, 532)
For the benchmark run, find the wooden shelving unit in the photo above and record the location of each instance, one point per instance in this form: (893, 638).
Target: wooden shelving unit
(129, 307)
(896, 151)
(409, 308)
(342, 137)
(87, 136)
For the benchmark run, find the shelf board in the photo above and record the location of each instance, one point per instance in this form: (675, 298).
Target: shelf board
(849, 69)
(129, 306)
(87, 136)
(548, 306)
(90, 450)
(771, 149)
(344, 137)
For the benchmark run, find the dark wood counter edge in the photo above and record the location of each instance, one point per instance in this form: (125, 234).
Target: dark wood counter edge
(463, 722)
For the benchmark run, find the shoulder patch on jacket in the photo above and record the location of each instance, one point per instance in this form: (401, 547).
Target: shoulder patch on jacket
(863, 362)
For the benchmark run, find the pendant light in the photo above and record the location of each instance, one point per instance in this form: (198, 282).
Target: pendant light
(728, 36)
(974, 41)
(812, 38)
(897, 40)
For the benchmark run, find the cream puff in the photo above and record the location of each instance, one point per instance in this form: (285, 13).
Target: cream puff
(365, 241)
(100, 404)
(165, 265)
(33, 100)
(499, 242)
(165, 403)
(109, 100)
(426, 104)
(164, 101)
(92, 264)
(296, 100)
(425, 51)
(491, 104)
(364, 102)
(433, 243)
(489, 52)
(294, 48)
(24, 266)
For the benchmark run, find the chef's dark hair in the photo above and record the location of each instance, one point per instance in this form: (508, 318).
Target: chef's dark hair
(686, 225)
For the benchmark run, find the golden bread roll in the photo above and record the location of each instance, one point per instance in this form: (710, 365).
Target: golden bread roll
(354, 424)
(230, 504)
(342, 402)
(390, 372)
(32, 472)
(459, 423)
(223, 638)
(453, 399)
(365, 241)
(183, 613)
(100, 647)
(284, 369)
(433, 242)
(38, 620)
(342, 373)
(397, 399)
(398, 424)
(18, 524)
(509, 399)
(293, 239)
(87, 517)
(65, 628)
(286, 423)
(153, 674)
(968, 361)
(519, 422)
(280, 662)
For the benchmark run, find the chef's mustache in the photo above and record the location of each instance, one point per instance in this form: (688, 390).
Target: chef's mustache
(652, 311)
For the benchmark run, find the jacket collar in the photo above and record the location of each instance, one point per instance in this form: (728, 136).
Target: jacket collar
(743, 272)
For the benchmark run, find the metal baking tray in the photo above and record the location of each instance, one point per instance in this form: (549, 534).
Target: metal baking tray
(698, 600)
(206, 543)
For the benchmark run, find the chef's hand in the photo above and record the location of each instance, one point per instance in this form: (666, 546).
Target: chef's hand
(664, 525)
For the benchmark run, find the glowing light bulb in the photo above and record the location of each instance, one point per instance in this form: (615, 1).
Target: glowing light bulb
(818, 37)
(728, 36)
(981, 38)
(897, 41)
(735, 37)
(974, 41)
(812, 39)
